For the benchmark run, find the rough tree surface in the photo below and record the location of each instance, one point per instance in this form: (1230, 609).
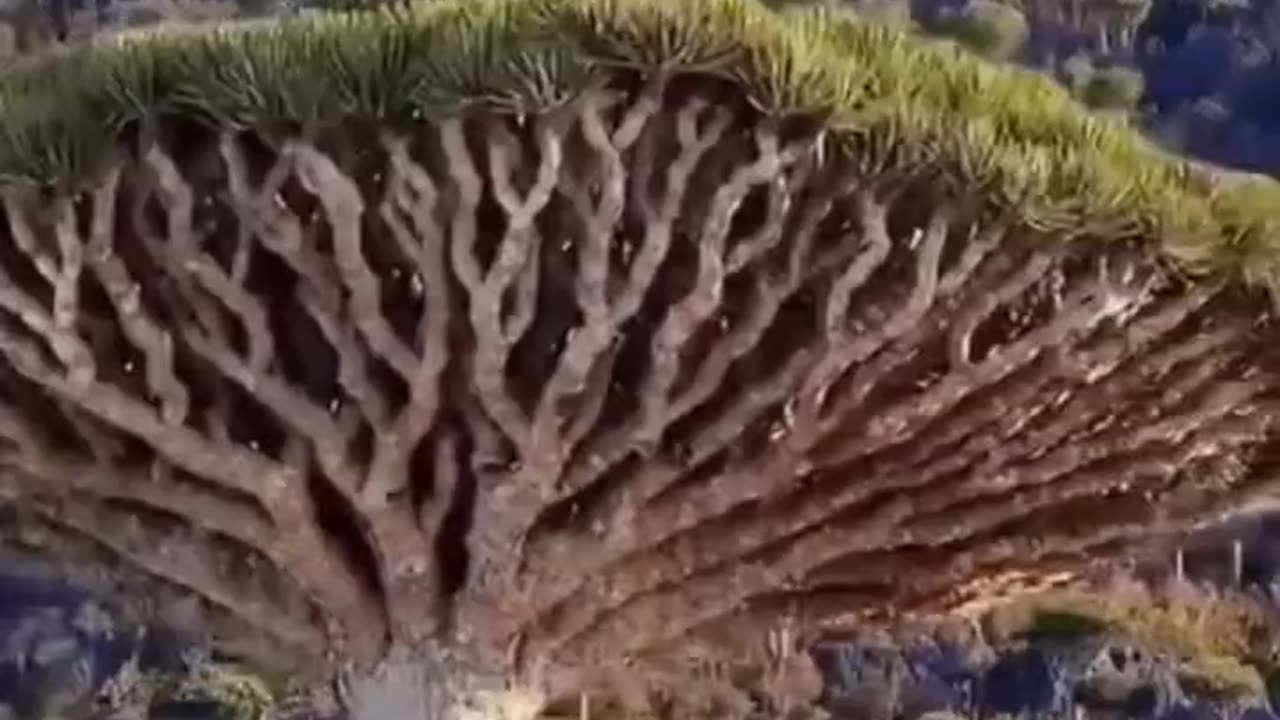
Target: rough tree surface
(544, 346)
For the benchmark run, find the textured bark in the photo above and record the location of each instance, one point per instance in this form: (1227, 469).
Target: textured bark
(544, 398)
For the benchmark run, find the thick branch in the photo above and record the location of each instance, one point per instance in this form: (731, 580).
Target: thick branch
(154, 342)
(485, 288)
(588, 342)
(415, 195)
(847, 348)
(1084, 308)
(59, 333)
(683, 318)
(319, 292)
(344, 206)
(179, 569)
(716, 497)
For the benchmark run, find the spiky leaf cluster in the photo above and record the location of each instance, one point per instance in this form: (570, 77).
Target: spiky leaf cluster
(895, 101)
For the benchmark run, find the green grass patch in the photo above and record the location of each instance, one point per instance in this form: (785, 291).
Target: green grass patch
(1216, 638)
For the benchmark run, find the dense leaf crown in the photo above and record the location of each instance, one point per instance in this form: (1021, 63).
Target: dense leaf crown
(890, 102)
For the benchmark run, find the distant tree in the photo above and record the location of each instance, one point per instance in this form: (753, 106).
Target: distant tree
(31, 24)
(1113, 88)
(1100, 26)
(794, 4)
(59, 18)
(1199, 67)
(260, 8)
(894, 13)
(1172, 21)
(890, 12)
(1076, 71)
(1120, 28)
(992, 29)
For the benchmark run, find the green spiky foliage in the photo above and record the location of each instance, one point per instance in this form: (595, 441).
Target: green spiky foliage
(241, 693)
(884, 95)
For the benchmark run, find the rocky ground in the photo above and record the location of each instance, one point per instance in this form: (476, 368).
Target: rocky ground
(1138, 646)
(1105, 678)
(63, 655)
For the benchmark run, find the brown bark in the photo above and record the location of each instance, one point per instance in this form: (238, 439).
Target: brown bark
(546, 394)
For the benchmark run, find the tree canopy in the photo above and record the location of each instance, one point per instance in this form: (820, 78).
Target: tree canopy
(886, 98)
(993, 29)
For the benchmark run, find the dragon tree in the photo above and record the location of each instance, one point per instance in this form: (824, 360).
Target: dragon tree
(489, 353)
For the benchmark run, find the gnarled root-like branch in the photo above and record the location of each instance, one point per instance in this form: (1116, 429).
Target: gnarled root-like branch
(538, 394)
